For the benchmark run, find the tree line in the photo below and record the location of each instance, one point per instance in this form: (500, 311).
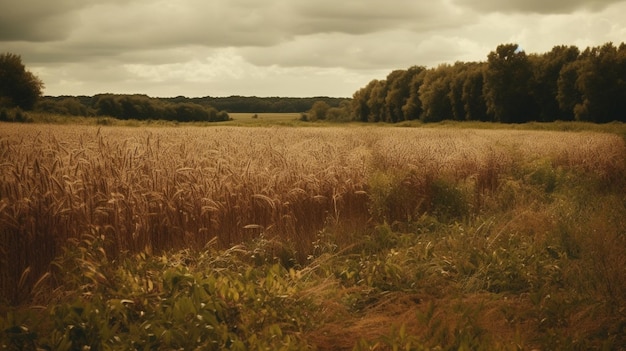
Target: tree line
(136, 106)
(181, 108)
(254, 104)
(510, 87)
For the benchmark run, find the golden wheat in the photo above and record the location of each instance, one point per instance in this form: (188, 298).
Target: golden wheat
(164, 188)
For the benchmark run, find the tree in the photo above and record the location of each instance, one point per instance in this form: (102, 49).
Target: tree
(399, 83)
(458, 76)
(360, 110)
(473, 98)
(435, 94)
(547, 70)
(412, 108)
(142, 107)
(318, 111)
(568, 95)
(511, 87)
(507, 85)
(601, 84)
(342, 113)
(18, 87)
(376, 101)
(67, 105)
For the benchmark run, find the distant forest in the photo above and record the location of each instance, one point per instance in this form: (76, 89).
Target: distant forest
(240, 104)
(140, 107)
(183, 109)
(510, 87)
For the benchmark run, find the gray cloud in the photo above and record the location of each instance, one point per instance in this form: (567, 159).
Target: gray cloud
(42, 20)
(275, 47)
(34, 20)
(358, 17)
(537, 6)
(389, 49)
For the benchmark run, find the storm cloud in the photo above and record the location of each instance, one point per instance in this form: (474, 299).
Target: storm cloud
(277, 47)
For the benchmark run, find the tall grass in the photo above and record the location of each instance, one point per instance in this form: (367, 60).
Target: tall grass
(155, 189)
(350, 238)
(159, 189)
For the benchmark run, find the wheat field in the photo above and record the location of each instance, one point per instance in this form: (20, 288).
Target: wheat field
(153, 189)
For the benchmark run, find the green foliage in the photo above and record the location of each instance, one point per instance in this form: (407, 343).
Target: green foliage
(183, 109)
(435, 95)
(448, 201)
(141, 107)
(600, 84)
(318, 111)
(14, 330)
(507, 85)
(210, 300)
(322, 111)
(510, 87)
(394, 197)
(382, 191)
(18, 87)
(544, 175)
(70, 106)
(545, 82)
(14, 115)
(399, 93)
(254, 104)
(131, 107)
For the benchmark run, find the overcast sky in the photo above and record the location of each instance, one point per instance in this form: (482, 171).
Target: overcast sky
(278, 47)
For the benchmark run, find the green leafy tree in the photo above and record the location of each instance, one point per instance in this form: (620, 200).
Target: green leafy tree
(68, 105)
(601, 83)
(395, 95)
(435, 94)
(412, 108)
(142, 107)
(360, 110)
(507, 85)
(457, 81)
(399, 91)
(511, 87)
(376, 101)
(318, 110)
(547, 69)
(568, 95)
(473, 98)
(339, 114)
(18, 87)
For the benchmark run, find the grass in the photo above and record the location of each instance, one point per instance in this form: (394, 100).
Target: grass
(293, 119)
(237, 119)
(263, 118)
(312, 238)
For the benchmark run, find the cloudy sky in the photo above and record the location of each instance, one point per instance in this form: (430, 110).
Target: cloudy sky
(278, 47)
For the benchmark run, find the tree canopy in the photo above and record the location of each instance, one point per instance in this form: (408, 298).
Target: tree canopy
(18, 86)
(511, 86)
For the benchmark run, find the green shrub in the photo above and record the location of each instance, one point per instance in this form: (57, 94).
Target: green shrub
(448, 201)
(15, 115)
